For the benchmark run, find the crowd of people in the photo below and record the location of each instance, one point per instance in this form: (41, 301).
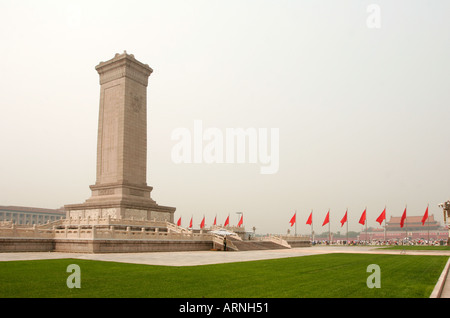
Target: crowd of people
(411, 242)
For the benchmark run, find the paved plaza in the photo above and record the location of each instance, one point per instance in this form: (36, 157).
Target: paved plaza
(192, 258)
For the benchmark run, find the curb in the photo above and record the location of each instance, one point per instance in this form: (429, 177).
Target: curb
(437, 291)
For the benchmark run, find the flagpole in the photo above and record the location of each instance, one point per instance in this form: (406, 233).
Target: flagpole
(329, 230)
(312, 230)
(406, 221)
(428, 225)
(385, 224)
(295, 222)
(367, 237)
(347, 224)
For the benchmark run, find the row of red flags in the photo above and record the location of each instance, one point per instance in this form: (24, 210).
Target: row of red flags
(362, 219)
(202, 224)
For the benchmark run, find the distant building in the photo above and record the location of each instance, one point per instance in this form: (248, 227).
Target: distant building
(412, 223)
(412, 228)
(22, 215)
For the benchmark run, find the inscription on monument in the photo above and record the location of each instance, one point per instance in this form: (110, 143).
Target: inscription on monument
(110, 141)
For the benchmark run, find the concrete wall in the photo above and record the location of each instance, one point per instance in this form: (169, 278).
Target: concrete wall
(26, 245)
(136, 246)
(100, 246)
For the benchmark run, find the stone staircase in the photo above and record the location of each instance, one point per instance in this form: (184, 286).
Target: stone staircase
(255, 245)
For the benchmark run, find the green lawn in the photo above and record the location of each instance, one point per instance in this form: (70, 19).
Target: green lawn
(332, 275)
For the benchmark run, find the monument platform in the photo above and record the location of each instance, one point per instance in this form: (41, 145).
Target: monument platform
(120, 216)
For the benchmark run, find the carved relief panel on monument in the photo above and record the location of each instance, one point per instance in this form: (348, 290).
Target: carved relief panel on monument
(135, 214)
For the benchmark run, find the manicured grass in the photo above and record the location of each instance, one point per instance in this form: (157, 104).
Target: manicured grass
(332, 275)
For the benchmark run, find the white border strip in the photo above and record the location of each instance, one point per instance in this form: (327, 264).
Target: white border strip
(437, 291)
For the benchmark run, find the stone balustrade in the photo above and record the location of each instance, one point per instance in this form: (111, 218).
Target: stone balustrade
(25, 232)
(288, 241)
(99, 231)
(112, 221)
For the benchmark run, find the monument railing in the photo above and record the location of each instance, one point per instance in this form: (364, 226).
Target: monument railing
(276, 239)
(177, 229)
(218, 242)
(284, 240)
(295, 237)
(77, 233)
(148, 235)
(50, 225)
(25, 232)
(217, 239)
(108, 228)
(114, 221)
(92, 232)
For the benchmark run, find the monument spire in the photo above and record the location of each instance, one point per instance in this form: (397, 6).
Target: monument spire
(121, 189)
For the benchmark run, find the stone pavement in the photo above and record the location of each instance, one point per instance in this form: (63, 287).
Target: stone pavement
(446, 289)
(214, 257)
(192, 258)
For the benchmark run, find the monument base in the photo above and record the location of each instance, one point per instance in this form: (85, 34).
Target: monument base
(120, 201)
(120, 210)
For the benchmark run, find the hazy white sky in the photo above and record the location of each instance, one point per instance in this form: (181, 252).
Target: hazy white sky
(362, 112)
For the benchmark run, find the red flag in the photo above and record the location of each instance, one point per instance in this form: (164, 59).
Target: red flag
(179, 221)
(190, 223)
(202, 225)
(309, 221)
(241, 220)
(425, 216)
(402, 220)
(327, 218)
(215, 218)
(362, 220)
(344, 219)
(227, 221)
(292, 221)
(382, 216)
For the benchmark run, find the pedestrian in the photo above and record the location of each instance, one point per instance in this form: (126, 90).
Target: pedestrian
(225, 243)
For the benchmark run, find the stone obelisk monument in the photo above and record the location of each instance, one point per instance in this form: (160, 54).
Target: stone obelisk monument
(121, 190)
